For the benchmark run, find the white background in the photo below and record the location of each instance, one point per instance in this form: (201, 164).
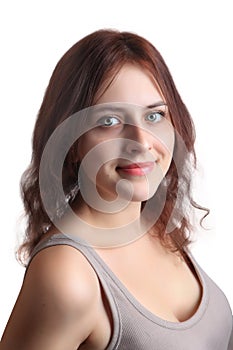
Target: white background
(194, 37)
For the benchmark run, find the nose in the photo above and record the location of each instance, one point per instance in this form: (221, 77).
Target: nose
(138, 140)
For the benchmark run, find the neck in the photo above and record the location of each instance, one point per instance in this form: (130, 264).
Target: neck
(100, 218)
(101, 229)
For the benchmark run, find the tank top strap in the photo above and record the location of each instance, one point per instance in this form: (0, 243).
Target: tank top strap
(95, 261)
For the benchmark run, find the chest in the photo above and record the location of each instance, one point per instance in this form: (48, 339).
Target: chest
(165, 286)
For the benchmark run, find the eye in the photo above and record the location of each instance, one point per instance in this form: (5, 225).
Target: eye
(155, 117)
(108, 121)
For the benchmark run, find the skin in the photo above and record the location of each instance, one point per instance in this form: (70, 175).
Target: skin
(139, 141)
(61, 305)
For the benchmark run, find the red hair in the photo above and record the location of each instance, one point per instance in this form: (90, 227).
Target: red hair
(86, 70)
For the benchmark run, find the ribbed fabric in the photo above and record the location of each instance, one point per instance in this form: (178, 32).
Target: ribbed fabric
(136, 328)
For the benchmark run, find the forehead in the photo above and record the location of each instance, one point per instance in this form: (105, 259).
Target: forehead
(132, 85)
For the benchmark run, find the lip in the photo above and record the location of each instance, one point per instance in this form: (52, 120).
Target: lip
(137, 169)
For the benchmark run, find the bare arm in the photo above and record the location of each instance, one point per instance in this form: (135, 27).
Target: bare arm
(57, 307)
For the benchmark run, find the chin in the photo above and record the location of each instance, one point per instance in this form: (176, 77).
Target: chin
(140, 193)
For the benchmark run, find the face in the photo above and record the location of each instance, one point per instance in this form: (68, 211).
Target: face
(128, 149)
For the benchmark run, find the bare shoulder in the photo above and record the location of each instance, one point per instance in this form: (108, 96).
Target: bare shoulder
(58, 304)
(66, 271)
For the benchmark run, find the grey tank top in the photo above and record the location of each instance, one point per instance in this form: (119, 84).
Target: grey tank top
(136, 328)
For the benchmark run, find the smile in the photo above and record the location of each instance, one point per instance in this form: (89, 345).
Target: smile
(137, 169)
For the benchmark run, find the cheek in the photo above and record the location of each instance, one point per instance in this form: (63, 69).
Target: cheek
(86, 144)
(97, 155)
(164, 142)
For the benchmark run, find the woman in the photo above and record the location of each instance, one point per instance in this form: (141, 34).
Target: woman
(108, 202)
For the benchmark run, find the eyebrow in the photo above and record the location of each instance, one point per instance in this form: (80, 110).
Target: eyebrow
(114, 108)
(157, 104)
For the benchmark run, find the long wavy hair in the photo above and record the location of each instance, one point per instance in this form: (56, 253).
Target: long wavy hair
(85, 69)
